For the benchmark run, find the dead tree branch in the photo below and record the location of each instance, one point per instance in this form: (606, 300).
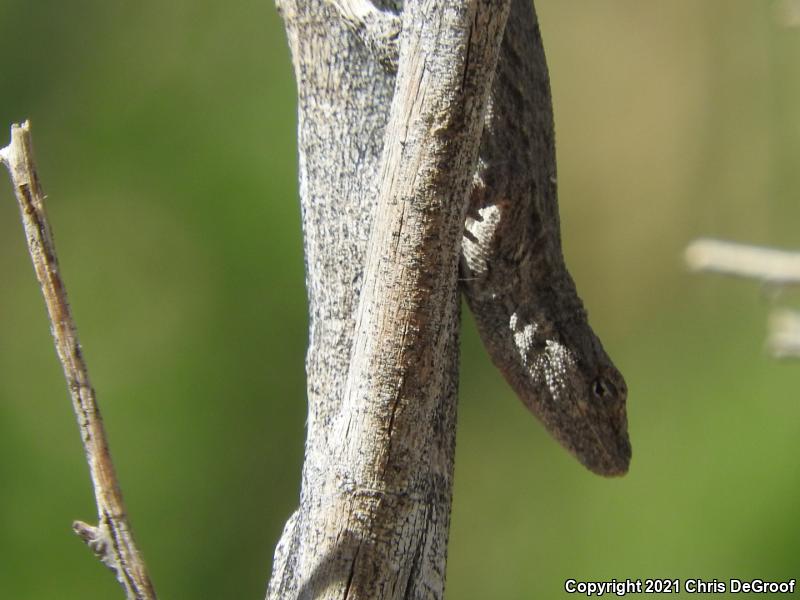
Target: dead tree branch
(111, 539)
(374, 511)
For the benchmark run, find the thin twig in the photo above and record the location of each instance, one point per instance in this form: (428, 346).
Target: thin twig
(777, 267)
(112, 539)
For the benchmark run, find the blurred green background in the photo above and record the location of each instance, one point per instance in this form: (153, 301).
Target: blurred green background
(165, 136)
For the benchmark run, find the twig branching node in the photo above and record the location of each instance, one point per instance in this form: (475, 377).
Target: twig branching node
(112, 540)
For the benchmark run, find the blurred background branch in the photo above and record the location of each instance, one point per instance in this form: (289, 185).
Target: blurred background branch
(772, 267)
(784, 334)
(767, 265)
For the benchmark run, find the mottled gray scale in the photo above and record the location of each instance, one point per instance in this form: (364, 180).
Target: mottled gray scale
(514, 277)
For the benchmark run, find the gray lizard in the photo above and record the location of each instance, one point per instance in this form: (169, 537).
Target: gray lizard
(524, 300)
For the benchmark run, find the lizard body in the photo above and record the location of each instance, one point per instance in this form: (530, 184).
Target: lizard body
(514, 277)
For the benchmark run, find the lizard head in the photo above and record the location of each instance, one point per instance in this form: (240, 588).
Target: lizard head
(564, 376)
(536, 330)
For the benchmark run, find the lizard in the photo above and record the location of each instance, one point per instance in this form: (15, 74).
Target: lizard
(514, 276)
(512, 269)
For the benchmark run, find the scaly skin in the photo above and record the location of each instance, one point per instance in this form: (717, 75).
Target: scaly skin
(524, 300)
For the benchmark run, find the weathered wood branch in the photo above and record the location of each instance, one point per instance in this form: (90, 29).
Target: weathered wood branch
(383, 226)
(378, 29)
(111, 539)
(375, 504)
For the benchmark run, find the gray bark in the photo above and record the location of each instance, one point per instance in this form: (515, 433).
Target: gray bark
(389, 170)
(382, 361)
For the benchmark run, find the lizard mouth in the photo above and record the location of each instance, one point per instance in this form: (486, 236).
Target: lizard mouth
(589, 419)
(609, 453)
(615, 461)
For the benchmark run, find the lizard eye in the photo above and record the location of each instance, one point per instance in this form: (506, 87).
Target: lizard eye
(603, 388)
